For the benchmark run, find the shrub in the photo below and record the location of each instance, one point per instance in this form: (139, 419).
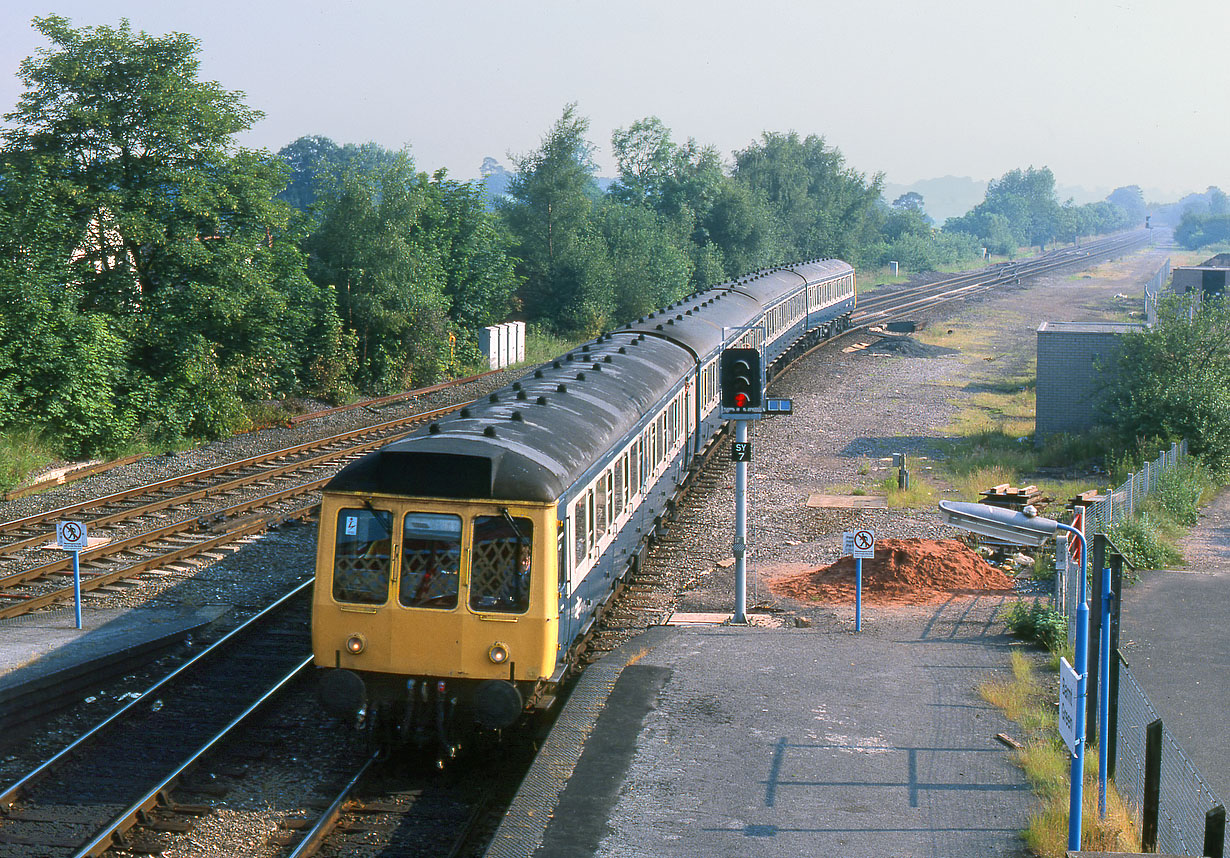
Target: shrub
(1039, 623)
(1140, 542)
(1179, 489)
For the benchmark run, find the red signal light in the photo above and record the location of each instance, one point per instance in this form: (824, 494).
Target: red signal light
(740, 400)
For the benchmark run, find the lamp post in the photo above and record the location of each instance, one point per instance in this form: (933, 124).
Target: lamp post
(1029, 528)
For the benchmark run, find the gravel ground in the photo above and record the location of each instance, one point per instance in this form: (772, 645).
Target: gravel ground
(852, 411)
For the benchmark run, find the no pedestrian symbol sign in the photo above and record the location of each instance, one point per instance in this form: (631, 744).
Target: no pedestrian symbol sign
(71, 535)
(860, 543)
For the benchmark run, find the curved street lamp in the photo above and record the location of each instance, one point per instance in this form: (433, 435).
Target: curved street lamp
(1029, 528)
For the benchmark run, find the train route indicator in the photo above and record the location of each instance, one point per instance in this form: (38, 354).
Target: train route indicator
(71, 535)
(741, 451)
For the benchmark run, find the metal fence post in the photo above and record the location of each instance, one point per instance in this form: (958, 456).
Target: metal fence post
(1112, 698)
(1153, 785)
(1095, 632)
(1215, 832)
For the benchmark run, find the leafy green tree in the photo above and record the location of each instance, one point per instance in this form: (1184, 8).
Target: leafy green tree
(650, 265)
(822, 207)
(550, 213)
(1130, 200)
(317, 164)
(388, 277)
(1173, 381)
(176, 236)
(1024, 200)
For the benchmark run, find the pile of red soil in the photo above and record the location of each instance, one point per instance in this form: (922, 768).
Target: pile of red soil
(904, 572)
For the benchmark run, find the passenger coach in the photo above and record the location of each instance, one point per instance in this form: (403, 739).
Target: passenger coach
(459, 570)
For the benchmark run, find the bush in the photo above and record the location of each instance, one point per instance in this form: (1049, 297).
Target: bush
(1039, 623)
(1179, 489)
(1139, 540)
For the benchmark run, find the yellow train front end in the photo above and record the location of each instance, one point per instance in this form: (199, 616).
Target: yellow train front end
(430, 614)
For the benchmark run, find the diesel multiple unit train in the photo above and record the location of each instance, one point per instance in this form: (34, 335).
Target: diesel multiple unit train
(460, 570)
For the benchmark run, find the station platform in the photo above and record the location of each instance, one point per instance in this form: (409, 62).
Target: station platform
(45, 659)
(719, 740)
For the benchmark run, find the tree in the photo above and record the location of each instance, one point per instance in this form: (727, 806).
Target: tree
(822, 208)
(388, 278)
(1173, 381)
(549, 212)
(1024, 201)
(911, 201)
(179, 244)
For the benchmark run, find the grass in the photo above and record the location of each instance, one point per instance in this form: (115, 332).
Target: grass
(22, 453)
(1027, 699)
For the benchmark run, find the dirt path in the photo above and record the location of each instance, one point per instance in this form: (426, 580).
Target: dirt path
(1207, 547)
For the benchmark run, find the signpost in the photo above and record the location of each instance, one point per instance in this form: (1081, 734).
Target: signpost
(1068, 681)
(861, 544)
(72, 537)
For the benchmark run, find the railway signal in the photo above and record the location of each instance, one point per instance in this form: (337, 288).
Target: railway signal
(741, 376)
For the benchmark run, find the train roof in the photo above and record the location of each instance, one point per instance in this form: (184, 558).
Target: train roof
(532, 440)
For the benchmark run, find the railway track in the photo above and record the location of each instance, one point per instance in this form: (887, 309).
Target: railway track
(880, 308)
(208, 509)
(382, 812)
(120, 773)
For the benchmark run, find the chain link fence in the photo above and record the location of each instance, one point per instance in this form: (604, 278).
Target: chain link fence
(1121, 503)
(1153, 291)
(1183, 797)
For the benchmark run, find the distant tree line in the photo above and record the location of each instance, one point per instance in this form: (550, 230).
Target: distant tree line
(158, 282)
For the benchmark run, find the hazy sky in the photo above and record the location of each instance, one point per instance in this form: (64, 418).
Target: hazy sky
(1104, 92)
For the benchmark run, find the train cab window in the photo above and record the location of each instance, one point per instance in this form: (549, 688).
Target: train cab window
(361, 556)
(500, 564)
(430, 560)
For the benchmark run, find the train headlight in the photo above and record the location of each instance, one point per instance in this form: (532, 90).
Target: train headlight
(355, 644)
(498, 653)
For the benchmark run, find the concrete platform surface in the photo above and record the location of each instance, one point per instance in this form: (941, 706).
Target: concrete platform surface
(45, 660)
(736, 741)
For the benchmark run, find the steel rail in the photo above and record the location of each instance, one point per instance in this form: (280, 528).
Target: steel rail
(129, 817)
(254, 525)
(252, 461)
(315, 836)
(13, 791)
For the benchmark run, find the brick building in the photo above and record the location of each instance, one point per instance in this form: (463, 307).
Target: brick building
(1074, 360)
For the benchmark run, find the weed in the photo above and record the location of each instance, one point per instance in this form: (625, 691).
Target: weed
(22, 453)
(1028, 700)
(1140, 541)
(919, 495)
(1039, 623)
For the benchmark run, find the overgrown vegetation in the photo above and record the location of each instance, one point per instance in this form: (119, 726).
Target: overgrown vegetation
(1038, 623)
(1028, 700)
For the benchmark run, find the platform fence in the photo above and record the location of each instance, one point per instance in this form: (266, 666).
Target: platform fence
(1185, 801)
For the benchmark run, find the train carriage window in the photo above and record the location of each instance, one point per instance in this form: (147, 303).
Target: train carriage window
(580, 520)
(590, 540)
(361, 556)
(500, 563)
(600, 505)
(635, 466)
(621, 469)
(430, 560)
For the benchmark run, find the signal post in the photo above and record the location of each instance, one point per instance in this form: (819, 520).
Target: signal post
(741, 379)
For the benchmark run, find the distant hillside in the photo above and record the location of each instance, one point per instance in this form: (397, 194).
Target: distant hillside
(950, 196)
